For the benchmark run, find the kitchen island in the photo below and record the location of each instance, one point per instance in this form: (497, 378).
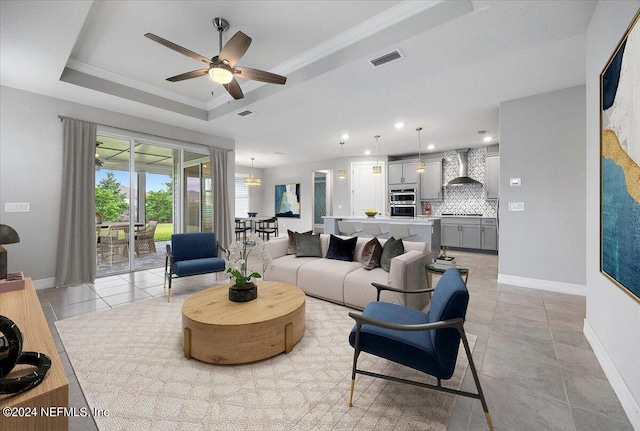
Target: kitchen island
(425, 228)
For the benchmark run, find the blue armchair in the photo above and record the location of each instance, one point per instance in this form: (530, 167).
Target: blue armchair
(192, 254)
(427, 342)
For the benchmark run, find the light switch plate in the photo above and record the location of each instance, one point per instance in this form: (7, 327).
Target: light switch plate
(516, 206)
(17, 207)
(515, 182)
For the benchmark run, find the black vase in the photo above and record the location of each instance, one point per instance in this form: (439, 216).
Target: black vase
(245, 293)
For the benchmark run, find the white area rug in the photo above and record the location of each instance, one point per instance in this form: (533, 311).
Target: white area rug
(129, 361)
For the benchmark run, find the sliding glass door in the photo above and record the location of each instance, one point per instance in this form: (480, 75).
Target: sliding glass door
(146, 191)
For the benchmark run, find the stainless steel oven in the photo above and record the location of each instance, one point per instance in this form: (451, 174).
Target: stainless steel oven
(402, 203)
(403, 210)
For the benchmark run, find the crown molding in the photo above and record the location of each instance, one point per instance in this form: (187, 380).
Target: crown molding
(128, 82)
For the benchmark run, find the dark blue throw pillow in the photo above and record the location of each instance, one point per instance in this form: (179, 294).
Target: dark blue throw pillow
(342, 249)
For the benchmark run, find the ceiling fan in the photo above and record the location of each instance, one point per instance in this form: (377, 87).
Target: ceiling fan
(222, 68)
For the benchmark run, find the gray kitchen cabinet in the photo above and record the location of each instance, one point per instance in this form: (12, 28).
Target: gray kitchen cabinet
(489, 234)
(492, 176)
(431, 180)
(461, 232)
(402, 172)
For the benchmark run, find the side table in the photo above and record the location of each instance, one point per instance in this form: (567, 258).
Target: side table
(437, 269)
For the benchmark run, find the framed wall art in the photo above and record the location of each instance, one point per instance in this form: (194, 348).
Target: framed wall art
(620, 164)
(288, 200)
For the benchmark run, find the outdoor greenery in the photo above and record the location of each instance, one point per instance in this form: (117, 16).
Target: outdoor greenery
(160, 204)
(112, 205)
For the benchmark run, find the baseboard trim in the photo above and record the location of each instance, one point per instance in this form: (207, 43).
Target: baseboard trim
(44, 283)
(552, 286)
(628, 402)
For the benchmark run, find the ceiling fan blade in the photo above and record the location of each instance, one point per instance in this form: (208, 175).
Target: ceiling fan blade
(177, 48)
(235, 48)
(234, 89)
(188, 75)
(258, 75)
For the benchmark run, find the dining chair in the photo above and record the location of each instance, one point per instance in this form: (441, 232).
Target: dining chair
(241, 229)
(145, 242)
(400, 231)
(268, 227)
(373, 229)
(426, 342)
(114, 246)
(348, 228)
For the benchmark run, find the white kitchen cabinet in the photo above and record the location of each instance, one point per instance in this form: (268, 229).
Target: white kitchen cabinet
(402, 173)
(461, 232)
(492, 176)
(489, 234)
(431, 180)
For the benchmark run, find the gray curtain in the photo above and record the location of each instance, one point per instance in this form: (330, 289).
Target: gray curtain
(76, 262)
(220, 192)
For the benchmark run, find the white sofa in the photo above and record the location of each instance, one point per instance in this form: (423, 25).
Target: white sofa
(348, 283)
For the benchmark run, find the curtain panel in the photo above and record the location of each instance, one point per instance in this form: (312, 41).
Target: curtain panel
(220, 193)
(76, 260)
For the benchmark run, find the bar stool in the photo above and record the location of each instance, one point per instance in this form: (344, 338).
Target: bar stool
(373, 229)
(348, 228)
(400, 231)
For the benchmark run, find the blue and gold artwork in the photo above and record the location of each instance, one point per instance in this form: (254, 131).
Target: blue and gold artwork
(620, 165)
(288, 200)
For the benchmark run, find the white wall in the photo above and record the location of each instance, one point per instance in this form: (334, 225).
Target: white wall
(303, 174)
(255, 193)
(31, 170)
(612, 325)
(542, 142)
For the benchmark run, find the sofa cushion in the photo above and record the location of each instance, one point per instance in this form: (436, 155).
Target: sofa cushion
(371, 254)
(285, 268)
(324, 278)
(292, 240)
(308, 245)
(392, 248)
(341, 249)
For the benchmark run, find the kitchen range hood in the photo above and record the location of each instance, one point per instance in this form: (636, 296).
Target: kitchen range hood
(463, 173)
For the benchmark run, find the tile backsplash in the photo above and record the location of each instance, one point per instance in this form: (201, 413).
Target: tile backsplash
(466, 199)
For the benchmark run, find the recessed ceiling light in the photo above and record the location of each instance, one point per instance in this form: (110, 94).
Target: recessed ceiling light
(430, 147)
(399, 125)
(345, 136)
(367, 153)
(487, 139)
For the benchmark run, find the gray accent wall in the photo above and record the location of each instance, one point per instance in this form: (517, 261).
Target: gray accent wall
(542, 141)
(612, 325)
(31, 169)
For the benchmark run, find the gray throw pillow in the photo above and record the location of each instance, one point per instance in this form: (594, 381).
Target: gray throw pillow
(392, 248)
(371, 254)
(291, 249)
(308, 245)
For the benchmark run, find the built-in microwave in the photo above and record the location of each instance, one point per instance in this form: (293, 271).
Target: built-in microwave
(403, 196)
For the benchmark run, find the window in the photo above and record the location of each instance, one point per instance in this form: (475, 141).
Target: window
(242, 197)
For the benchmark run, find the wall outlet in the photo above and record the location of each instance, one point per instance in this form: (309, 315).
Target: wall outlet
(17, 207)
(516, 206)
(339, 206)
(515, 182)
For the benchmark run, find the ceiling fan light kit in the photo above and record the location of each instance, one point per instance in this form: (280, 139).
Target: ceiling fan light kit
(222, 68)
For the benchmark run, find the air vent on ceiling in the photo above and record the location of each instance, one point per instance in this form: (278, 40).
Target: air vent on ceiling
(482, 132)
(387, 58)
(245, 113)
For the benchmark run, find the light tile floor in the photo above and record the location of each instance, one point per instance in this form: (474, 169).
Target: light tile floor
(537, 369)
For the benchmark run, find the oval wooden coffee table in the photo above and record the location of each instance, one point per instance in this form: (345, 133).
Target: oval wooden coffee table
(220, 331)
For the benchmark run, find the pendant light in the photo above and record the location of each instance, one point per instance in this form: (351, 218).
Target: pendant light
(252, 181)
(377, 169)
(420, 163)
(342, 173)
